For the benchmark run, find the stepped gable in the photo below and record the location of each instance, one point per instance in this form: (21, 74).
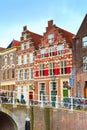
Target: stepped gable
(36, 38)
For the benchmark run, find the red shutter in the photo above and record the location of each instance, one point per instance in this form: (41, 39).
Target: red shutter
(45, 72)
(68, 70)
(55, 53)
(56, 71)
(46, 55)
(38, 56)
(36, 74)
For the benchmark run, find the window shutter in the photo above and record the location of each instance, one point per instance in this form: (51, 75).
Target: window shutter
(68, 70)
(56, 71)
(36, 74)
(45, 72)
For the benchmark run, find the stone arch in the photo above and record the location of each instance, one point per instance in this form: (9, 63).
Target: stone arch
(8, 120)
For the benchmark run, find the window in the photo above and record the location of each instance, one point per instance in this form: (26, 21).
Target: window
(41, 69)
(25, 59)
(85, 63)
(51, 38)
(51, 68)
(19, 60)
(27, 45)
(63, 67)
(25, 74)
(19, 74)
(53, 92)
(4, 74)
(31, 57)
(43, 53)
(8, 73)
(22, 46)
(24, 36)
(42, 90)
(31, 73)
(13, 72)
(59, 49)
(84, 41)
(52, 51)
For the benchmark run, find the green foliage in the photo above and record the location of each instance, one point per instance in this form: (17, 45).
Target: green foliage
(17, 100)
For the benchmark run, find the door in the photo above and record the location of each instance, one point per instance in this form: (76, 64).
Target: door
(31, 97)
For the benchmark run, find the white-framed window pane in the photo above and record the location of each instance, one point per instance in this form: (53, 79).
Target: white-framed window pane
(19, 92)
(25, 92)
(84, 41)
(42, 90)
(28, 45)
(31, 57)
(63, 67)
(22, 46)
(85, 63)
(41, 69)
(51, 38)
(19, 74)
(25, 59)
(31, 73)
(19, 60)
(25, 74)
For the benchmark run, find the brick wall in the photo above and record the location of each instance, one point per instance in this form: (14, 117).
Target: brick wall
(58, 119)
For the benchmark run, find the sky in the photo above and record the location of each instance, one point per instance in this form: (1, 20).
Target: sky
(14, 14)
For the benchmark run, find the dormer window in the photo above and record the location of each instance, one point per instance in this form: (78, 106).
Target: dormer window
(50, 38)
(84, 41)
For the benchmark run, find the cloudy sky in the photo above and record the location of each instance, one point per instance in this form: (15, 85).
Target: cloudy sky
(14, 14)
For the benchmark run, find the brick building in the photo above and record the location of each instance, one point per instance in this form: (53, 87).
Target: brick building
(8, 68)
(29, 42)
(42, 64)
(80, 60)
(53, 63)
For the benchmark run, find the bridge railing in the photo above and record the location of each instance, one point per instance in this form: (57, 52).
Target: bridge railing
(46, 100)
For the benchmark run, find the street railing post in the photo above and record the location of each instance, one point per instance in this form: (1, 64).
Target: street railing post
(41, 100)
(71, 103)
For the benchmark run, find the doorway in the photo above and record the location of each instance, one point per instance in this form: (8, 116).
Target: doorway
(31, 97)
(85, 90)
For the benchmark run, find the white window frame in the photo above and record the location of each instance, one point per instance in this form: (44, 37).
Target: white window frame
(25, 74)
(31, 58)
(20, 74)
(25, 59)
(85, 63)
(31, 73)
(42, 89)
(19, 60)
(22, 46)
(63, 66)
(50, 38)
(84, 41)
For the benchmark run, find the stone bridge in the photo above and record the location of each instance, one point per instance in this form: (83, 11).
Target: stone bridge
(41, 118)
(13, 117)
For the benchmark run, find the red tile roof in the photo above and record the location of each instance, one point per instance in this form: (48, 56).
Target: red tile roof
(1, 49)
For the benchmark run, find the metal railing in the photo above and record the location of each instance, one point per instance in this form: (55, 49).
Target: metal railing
(46, 100)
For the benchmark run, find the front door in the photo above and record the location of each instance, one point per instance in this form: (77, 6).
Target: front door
(31, 97)
(85, 90)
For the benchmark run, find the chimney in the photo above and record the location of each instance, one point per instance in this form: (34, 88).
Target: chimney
(24, 28)
(50, 23)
